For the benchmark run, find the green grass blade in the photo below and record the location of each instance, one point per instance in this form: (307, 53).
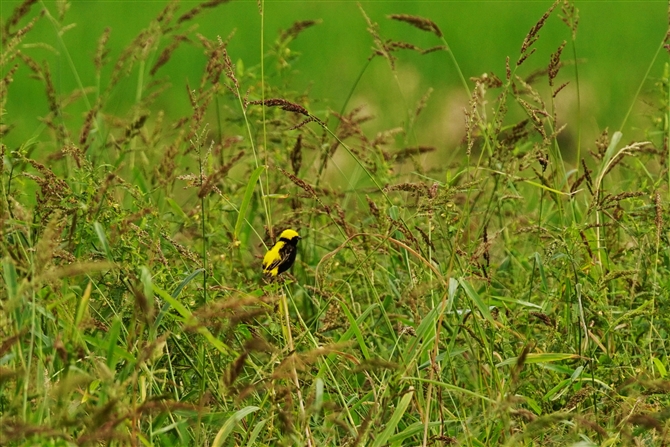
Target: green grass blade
(10, 277)
(187, 315)
(391, 425)
(100, 232)
(451, 387)
(230, 424)
(248, 194)
(545, 357)
(256, 431)
(476, 299)
(357, 331)
(179, 307)
(82, 305)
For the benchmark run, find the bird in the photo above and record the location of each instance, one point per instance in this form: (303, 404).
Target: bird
(282, 255)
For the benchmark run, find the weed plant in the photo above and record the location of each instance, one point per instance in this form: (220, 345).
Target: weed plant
(506, 298)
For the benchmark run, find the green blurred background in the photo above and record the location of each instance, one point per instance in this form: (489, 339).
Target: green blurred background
(616, 42)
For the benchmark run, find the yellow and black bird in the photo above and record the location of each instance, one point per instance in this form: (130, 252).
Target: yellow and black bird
(281, 257)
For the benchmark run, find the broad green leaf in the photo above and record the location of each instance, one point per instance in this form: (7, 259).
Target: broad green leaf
(660, 367)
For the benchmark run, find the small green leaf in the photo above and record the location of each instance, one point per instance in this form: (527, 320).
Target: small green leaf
(176, 209)
(660, 367)
(614, 142)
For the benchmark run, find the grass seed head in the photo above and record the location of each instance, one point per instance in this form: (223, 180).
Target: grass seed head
(418, 22)
(533, 35)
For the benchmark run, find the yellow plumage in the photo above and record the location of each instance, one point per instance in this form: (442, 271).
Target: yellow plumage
(282, 255)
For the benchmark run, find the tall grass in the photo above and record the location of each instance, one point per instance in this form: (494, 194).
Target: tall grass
(506, 299)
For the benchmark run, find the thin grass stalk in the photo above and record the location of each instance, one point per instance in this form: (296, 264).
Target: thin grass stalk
(667, 123)
(436, 348)
(268, 210)
(203, 215)
(654, 294)
(264, 199)
(68, 57)
(219, 129)
(294, 372)
(639, 89)
(360, 164)
(579, 107)
(579, 126)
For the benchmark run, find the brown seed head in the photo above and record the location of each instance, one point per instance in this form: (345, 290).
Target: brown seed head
(418, 22)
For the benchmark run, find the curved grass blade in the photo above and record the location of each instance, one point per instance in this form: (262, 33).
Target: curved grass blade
(383, 438)
(230, 424)
(175, 294)
(248, 194)
(100, 232)
(544, 357)
(476, 299)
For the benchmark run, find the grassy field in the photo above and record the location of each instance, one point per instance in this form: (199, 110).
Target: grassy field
(511, 290)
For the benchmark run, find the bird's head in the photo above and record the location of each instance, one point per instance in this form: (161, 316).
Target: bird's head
(289, 236)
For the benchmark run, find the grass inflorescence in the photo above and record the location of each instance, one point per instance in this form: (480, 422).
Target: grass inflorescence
(506, 298)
